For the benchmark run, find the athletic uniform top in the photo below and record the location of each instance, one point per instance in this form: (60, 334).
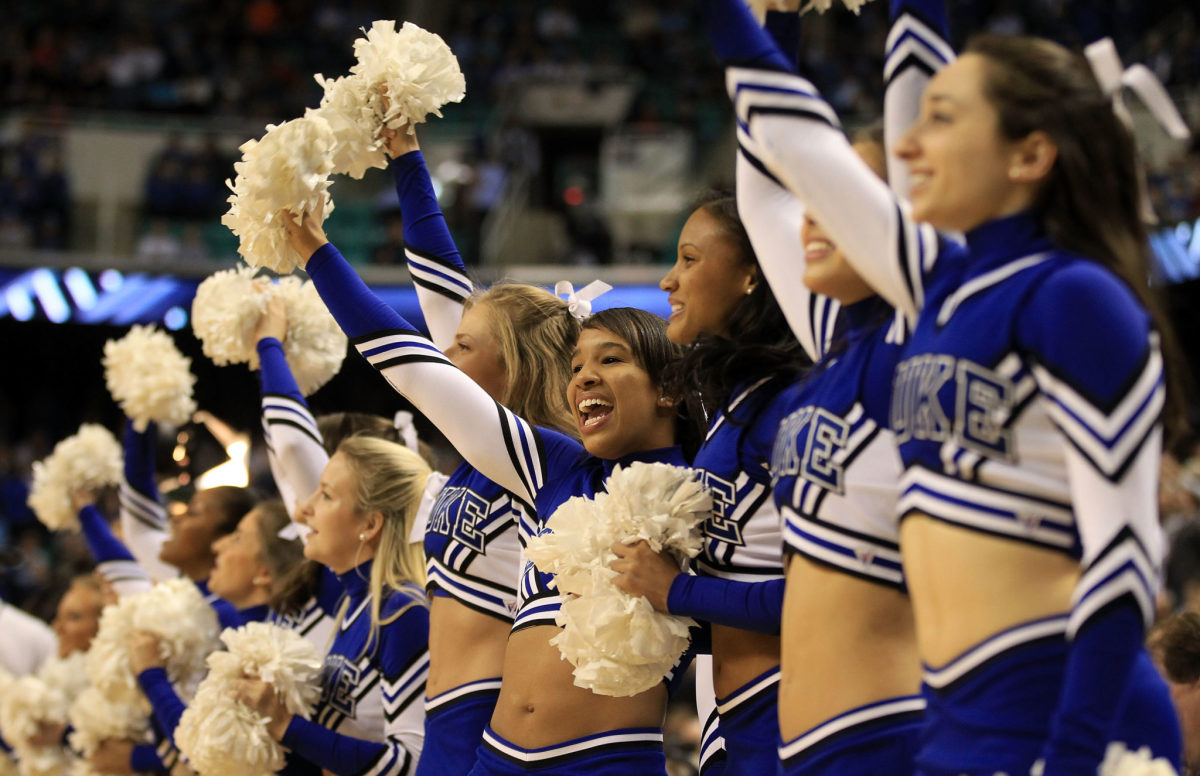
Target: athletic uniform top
(370, 718)
(472, 547)
(835, 466)
(741, 539)
(1028, 397)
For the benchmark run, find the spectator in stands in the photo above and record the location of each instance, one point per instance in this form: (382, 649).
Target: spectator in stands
(1175, 645)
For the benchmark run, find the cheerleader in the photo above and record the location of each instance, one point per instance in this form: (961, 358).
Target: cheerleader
(247, 564)
(369, 718)
(1026, 402)
(741, 356)
(542, 720)
(514, 341)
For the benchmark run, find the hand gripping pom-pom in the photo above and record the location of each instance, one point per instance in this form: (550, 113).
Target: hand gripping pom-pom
(619, 644)
(417, 71)
(95, 719)
(315, 345)
(46, 698)
(149, 377)
(289, 169)
(227, 307)
(176, 613)
(87, 461)
(221, 736)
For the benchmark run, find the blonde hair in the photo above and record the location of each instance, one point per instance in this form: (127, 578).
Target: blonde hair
(536, 336)
(389, 479)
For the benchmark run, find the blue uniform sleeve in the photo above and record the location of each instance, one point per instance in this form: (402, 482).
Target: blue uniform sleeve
(295, 449)
(501, 446)
(799, 140)
(164, 701)
(1099, 373)
(112, 557)
(753, 606)
(404, 667)
(433, 260)
(145, 759)
(143, 517)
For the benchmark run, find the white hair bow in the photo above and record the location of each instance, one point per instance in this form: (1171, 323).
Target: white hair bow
(1107, 67)
(405, 428)
(579, 303)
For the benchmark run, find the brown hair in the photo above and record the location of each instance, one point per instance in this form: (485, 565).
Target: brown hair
(1091, 201)
(293, 578)
(646, 334)
(1177, 642)
(536, 335)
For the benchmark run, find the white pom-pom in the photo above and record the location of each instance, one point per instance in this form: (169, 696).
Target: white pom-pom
(94, 719)
(88, 460)
(229, 305)
(225, 311)
(419, 74)
(176, 613)
(44, 698)
(288, 168)
(149, 377)
(1119, 761)
(221, 736)
(315, 345)
(821, 6)
(619, 644)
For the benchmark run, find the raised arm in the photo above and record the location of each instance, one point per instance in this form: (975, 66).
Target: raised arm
(1100, 375)
(917, 47)
(504, 448)
(801, 143)
(433, 260)
(113, 559)
(773, 216)
(295, 449)
(143, 517)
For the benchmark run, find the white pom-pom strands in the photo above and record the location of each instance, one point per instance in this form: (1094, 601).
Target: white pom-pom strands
(86, 461)
(287, 169)
(229, 305)
(618, 644)
(221, 736)
(175, 612)
(401, 77)
(149, 378)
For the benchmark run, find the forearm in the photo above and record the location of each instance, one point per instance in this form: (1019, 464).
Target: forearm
(753, 606)
(165, 702)
(433, 260)
(497, 443)
(344, 755)
(295, 450)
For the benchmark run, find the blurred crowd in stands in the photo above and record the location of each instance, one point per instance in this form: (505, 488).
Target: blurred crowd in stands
(238, 61)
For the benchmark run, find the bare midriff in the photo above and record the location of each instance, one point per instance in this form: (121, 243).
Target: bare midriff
(847, 643)
(967, 586)
(465, 645)
(540, 705)
(740, 656)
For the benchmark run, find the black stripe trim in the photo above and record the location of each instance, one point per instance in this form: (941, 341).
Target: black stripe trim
(910, 62)
(415, 359)
(439, 289)
(385, 333)
(778, 110)
(302, 428)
